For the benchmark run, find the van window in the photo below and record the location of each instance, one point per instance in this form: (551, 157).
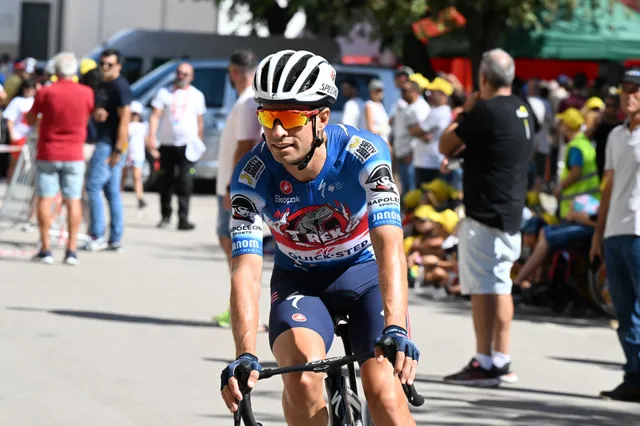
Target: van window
(152, 79)
(362, 82)
(211, 82)
(156, 62)
(132, 69)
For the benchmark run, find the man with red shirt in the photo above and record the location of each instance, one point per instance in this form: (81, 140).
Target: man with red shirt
(64, 109)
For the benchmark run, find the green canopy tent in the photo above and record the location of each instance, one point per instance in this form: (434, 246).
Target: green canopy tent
(601, 34)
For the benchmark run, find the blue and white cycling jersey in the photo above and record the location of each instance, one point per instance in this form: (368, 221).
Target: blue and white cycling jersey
(323, 223)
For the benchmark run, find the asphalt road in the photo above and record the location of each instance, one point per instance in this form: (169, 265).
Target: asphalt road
(126, 339)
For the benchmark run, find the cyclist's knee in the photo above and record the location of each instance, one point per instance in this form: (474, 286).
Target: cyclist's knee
(381, 388)
(298, 346)
(303, 391)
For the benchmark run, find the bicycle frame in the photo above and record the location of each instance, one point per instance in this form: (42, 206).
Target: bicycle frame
(335, 384)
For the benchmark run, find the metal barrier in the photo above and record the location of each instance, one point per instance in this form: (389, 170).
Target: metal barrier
(19, 204)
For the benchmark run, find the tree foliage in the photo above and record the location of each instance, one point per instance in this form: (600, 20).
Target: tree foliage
(392, 19)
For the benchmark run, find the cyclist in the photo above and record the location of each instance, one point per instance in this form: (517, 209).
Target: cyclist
(328, 196)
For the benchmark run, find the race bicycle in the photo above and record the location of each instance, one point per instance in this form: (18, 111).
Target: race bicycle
(346, 408)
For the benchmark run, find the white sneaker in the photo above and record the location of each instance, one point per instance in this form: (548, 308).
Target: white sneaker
(98, 244)
(43, 257)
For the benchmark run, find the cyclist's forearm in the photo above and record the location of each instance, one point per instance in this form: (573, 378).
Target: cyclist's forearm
(392, 276)
(245, 296)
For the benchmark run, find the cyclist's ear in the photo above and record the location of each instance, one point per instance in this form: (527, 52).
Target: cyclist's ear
(322, 119)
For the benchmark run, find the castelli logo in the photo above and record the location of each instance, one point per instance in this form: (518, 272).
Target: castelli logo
(286, 187)
(333, 75)
(298, 317)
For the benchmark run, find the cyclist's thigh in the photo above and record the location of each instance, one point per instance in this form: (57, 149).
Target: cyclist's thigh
(366, 313)
(294, 307)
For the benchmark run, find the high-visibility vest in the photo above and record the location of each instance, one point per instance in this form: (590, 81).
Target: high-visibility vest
(589, 182)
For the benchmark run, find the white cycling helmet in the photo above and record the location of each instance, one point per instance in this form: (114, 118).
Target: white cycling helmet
(297, 77)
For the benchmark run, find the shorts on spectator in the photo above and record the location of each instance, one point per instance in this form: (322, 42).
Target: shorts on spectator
(138, 164)
(485, 258)
(224, 219)
(56, 176)
(568, 235)
(20, 142)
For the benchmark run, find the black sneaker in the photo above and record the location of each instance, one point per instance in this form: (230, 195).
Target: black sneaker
(474, 375)
(624, 392)
(164, 223)
(71, 258)
(506, 375)
(43, 256)
(185, 225)
(116, 247)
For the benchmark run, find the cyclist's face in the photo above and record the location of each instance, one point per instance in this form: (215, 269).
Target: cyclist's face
(291, 145)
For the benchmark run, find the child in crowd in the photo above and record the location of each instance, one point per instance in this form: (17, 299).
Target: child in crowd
(136, 153)
(428, 261)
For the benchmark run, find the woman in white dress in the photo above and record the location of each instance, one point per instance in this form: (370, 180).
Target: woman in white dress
(376, 118)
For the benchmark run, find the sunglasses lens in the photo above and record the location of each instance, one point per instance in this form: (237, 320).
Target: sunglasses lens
(288, 119)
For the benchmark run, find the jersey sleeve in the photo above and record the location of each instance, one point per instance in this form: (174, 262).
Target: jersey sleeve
(248, 198)
(12, 111)
(373, 158)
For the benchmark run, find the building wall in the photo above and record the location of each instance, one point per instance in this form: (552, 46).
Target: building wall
(88, 23)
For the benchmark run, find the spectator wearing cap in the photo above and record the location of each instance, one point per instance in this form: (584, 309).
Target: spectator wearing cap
(427, 158)
(176, 121)
(580, 173)
(376, 119)
(65, 108)
(23, 70)
(619, 226)
(104, 175)
(407, 131)
(352, 112)
(591, 111)
(496, 135)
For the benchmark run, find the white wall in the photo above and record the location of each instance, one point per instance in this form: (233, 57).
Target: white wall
(88, 23)
(9, 21)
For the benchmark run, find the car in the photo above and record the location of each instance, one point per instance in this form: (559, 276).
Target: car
(211, 78)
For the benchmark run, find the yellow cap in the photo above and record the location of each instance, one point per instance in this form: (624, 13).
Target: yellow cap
(440, 189)
(448, 219)
(441, 85)
(594, 103)
(572, 118)
(422, 81)
(412, 198)
(86, 65)
(425, 212)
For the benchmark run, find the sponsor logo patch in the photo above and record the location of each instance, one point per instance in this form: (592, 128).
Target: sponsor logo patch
(298, 317)
(361, 148)
(252, 171)
(243, 208)
(329, 89)
(286, 200)
(286, 187)
(381, 180)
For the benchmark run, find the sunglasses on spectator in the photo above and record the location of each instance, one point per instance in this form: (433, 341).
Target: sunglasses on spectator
(183, 74)
(288, 118)
(630, 88)
(105, 64)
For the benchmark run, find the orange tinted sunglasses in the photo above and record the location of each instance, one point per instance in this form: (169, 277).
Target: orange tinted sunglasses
(288, 118)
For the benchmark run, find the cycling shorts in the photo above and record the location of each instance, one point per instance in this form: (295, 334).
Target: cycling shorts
(312, 300)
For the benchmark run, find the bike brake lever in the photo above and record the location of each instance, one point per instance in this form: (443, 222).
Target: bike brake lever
(390, 349)
(244, 412)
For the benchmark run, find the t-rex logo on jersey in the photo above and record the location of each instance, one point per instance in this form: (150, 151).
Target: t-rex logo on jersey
(316, 225)
(243, 208)
(381, 180)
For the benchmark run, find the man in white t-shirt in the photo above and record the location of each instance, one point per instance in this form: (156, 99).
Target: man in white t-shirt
(415, 112)
(426, 155)
(619, 225)
(241, 132)
(177, 120)
(352, 111)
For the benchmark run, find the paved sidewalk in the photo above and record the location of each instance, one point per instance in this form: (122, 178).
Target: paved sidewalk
(126, 340)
